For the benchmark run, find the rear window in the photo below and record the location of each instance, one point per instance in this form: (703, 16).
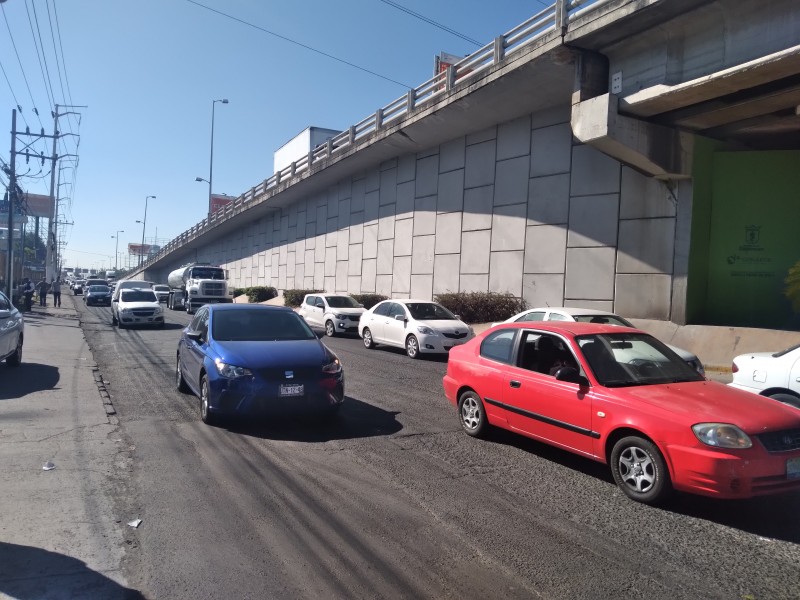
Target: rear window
(499, 345)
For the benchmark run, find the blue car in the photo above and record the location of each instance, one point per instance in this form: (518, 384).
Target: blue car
(257, 360)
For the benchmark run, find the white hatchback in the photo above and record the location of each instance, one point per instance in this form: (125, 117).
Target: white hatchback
(772, 374)
(336, 313)
(419, 326)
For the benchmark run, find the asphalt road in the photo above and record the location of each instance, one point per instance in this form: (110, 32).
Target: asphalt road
(393, 500)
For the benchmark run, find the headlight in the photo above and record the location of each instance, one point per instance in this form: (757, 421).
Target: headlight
(335, 316)
(231, 371)
(334, 366)
(157, 310)
(721, 435)
(426, 330)
(126, 311)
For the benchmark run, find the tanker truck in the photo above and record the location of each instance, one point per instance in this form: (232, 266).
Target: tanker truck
(196, 284)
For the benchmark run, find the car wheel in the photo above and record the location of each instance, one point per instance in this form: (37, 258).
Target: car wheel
(412, 347)
(330, 330)
(113, 318)
(367, 335)
(205, 413)
(13, 360)
(180, 382)
(472, 415)
(787, 399)
(189, 310)
(639, 470)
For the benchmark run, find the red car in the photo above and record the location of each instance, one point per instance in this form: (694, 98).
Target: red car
(621, 397)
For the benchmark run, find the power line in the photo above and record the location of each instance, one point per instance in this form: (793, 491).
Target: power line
(38, 55)
(21, 68)
(296, 43)
(63, 59)
(408, 11)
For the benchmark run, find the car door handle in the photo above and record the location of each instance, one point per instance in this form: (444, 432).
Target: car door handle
(515, 384)
(797, 379)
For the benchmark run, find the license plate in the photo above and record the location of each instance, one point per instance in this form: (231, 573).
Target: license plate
(793, 468)
(297, 390)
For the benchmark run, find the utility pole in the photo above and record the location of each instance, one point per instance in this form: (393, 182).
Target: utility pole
(12, 189)
(49, 263)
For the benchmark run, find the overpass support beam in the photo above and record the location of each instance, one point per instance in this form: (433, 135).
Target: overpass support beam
(655, 150)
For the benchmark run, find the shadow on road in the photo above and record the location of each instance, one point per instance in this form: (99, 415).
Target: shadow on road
(26, 379)
(27, 572)
(356, 419)
(768, 516)
(425, 356)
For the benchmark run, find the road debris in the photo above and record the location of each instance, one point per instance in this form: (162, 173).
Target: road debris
(48, 466)
(135, 523)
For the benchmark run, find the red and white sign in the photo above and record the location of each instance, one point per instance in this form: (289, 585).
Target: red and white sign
(38, 205)
(218, 201)
(141, 249)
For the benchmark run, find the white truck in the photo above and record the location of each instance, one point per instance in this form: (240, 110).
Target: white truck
(196, 284)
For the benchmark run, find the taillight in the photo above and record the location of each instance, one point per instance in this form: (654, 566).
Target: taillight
(734, 368)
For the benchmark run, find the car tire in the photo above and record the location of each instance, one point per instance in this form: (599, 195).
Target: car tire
(189, 309)
(412, 347)
(639, 470)
(330, 328)
(369, 344)
(14, 359)
(180, 382)
(789, 399)
(205, 413)
(113, 318)
(472, 415)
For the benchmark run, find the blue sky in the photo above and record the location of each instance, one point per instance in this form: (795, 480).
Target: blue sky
(148, 71)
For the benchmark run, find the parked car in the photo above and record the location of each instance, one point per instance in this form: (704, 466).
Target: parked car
(337, 313)
(97, 295)
(138, 306)
(591, 315)
(628, 401)
(258, 360)
(772, 374)
(77, 287)
(162, 291)
(12, 332)
(419, 326)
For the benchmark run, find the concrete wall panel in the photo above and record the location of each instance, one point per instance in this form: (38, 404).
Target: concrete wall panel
(421, 286)
(643, 296)
(370, 241)
(403, 237)
(427, 180)
(369, 269)
(551, 150)
(480, 165)
(644, 197)
(423, 254)
(355, 258)
(511, 185)
(475, 251)
(386, 222)
(401, 280)
(474, 283)
(448, 233)
(514, 138)
(451, 191)
(646, 246)
(478, 204)
(546, 249)
(388, 193)
(385, 257)
(445, 271)
(452, 155)
(590, 274)
(593, 172)
(548, 199)
(406, 168)
(543, 290)
(505, 272)
(425, 216)
(508, 227)
(593, 221)
(405, 198)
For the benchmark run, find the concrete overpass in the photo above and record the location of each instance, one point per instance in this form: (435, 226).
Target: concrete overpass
(581, 158)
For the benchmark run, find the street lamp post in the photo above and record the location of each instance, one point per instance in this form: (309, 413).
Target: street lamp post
(116, 253)
(211, 161)
(144, 224)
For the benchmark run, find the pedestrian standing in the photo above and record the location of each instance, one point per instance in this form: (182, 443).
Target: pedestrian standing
(28, 289)
(57, 292)
(42, 288)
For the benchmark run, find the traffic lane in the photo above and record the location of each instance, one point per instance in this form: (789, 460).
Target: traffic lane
(761, 537)
(529, 508)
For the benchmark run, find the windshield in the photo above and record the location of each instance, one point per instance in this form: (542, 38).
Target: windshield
(259, 326)
(99, 289)
(628, 359)
(138, 296)
(207, 273)
(606, 319)
(429, 311)
(341, 302)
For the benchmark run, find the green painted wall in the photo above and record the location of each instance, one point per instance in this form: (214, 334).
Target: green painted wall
(753, 238)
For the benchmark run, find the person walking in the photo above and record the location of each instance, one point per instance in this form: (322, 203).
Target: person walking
(57, 292)
(42, 288)
(27, 290)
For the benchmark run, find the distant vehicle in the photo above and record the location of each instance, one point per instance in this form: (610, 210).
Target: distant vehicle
(196, 284)
(77, 287)
(337, 313)
(111, 276)
(162, 291)
(772, 374)
(96, 281)
(99, 295)
(627, 401)
(130, 284)
(138, 306)
(419, 326)
(257, 360)
(12, 332)
(592, 315)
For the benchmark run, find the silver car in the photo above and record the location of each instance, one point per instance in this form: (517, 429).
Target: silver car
(12, 330)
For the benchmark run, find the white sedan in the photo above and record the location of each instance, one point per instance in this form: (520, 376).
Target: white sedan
(592, 315)
(772, 374)
(419, 326)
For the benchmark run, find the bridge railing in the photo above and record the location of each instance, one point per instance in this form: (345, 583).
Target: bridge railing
(467, 70)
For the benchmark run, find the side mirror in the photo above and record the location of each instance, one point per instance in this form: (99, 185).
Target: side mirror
(320, 304)
(194, 335)
(571, 375)
(4, 314)
(360, 306)
(115, 300)
(400, 318)
(457, 317)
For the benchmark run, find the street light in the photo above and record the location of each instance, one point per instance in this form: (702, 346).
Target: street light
(211, 162)
(116, 253)
(144, 224)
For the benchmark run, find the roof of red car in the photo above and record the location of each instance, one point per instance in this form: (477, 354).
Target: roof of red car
(567, 327)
